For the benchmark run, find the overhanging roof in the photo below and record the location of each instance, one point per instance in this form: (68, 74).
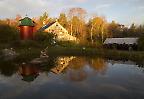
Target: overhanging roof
(121, 41)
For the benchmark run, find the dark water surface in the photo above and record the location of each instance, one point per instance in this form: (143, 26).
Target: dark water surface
(72, 78)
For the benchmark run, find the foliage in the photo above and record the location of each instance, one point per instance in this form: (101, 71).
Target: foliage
(44, 17)
(141, 43)
(8, 33)
(63, 20)
(45, 39)
(67, 44)
(97, 29)
(92, 32)
(119, 30)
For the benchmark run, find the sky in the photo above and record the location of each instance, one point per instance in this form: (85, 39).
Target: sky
(122, 11)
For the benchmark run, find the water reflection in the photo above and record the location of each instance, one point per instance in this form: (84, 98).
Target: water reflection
(61, 64)
(28, 72)
(76, 71)
(72, 77)
(98, 64)
(8, 68)
(76, 68)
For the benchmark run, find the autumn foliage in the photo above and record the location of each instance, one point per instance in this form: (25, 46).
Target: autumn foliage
(92, 31)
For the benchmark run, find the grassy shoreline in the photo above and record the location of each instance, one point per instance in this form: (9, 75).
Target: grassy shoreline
(28, 54)
(105, 53)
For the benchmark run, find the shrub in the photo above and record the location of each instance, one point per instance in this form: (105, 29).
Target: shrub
(8, 33)
(141, 43)
(67, 44)
(46, 39)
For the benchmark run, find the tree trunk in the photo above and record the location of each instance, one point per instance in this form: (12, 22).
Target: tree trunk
(102, 33)
(71, 27)
(91, 34)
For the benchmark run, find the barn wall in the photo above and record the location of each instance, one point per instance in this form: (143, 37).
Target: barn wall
(26, 32)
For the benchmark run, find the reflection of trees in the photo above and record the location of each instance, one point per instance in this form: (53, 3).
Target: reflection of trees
(76, 69)
(7, 68)
(77, 63)
(98, 64)
(77, 75)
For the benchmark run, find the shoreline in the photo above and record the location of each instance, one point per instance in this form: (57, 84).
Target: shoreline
(26, 54)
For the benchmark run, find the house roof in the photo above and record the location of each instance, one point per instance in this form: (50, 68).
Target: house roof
(121, 41)
(46, 26)
(26, 22)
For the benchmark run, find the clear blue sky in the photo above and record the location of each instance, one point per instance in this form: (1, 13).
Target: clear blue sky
(122, 11)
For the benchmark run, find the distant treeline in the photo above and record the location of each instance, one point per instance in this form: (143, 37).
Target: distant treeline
(89, 31)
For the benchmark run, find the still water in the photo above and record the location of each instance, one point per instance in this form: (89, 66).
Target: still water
(72, 78)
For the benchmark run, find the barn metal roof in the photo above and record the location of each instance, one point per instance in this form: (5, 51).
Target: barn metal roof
(121, 41)
(26, 22)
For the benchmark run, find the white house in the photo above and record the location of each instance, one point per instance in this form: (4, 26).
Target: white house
(57, 29)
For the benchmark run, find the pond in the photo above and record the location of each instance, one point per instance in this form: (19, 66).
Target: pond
(72, 78)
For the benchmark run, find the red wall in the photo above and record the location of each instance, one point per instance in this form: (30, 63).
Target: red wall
(26, 32)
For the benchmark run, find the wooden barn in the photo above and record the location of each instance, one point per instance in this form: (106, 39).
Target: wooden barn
(58, 30)
(121, 43)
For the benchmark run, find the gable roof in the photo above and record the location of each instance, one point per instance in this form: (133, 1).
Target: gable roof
(121, 41)
(46, 26)
(50, 24)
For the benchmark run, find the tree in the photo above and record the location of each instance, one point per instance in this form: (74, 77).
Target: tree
(97, 28)
(141, 43)
(113, 29)
(44, 18)
(8, 33)
(18, 17)
(45, 39)
(80, 13)
(63, 20)
(132, 30)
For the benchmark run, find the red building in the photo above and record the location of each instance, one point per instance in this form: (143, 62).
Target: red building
(26, 28)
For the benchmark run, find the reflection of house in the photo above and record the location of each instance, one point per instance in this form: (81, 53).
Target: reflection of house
(28, 72)
(58, 30)
(62, 63)
(121, 43)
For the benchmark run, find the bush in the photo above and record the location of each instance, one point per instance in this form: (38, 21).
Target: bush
(141, 43)
(45, 39)
(8, 33)
(67, 44)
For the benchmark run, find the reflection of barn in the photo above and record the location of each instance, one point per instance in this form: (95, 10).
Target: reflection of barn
(121, 43)
(28, 72)
(58, 30)
(62, 63)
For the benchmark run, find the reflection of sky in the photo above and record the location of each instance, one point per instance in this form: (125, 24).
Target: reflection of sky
(124, 11)
(120, 80)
